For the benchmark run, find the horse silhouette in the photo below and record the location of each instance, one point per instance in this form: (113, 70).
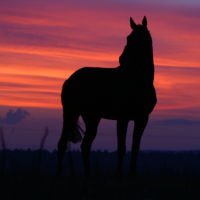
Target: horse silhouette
(123, 93)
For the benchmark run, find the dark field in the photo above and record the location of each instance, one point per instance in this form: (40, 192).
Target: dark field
(160, 175)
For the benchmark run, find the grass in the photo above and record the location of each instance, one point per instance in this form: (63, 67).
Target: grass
(101, 186)
(161, 176)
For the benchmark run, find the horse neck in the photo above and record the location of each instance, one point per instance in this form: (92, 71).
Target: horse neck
(143, 66)
(141, 63)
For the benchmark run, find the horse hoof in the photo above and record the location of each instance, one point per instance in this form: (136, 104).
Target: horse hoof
(88, 175)
(58, 174)
(132, 175)
(118, 174)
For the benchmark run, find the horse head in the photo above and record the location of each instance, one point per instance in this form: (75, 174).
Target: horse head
(138, 53)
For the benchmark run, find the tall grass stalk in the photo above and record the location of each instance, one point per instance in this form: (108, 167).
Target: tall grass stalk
(3, 150)
(46, 132)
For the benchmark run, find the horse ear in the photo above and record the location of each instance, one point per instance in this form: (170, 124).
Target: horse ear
(144, 22)
(133, 25)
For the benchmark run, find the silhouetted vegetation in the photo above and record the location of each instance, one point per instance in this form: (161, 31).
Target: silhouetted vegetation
(160, 175)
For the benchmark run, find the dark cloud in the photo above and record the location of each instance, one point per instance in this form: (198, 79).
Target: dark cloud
(14, 117)
(176, 122)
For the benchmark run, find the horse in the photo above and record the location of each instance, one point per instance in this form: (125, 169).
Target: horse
(123, 93)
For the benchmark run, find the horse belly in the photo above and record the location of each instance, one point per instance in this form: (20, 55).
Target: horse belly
(110, 103)
(129, 102)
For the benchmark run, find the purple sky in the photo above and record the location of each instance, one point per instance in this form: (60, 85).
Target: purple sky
(160, 134)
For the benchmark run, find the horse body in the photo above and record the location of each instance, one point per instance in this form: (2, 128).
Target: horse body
(108, 93)
(123, 93)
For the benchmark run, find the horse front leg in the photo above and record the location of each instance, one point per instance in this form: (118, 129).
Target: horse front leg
(139, 127)
(121, 141)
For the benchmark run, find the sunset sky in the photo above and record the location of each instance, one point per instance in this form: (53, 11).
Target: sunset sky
(43, 42)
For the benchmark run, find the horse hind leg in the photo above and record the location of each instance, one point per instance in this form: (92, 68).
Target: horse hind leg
(69, 126)
(90, 134)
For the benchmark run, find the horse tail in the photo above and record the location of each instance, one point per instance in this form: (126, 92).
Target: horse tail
(71, 125)
(75, 135)
(72, 128)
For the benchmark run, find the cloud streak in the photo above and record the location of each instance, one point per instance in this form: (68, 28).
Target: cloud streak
(176, 122)
(41, 41)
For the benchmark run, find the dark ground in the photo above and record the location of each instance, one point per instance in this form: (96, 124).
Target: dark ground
(160, 175)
